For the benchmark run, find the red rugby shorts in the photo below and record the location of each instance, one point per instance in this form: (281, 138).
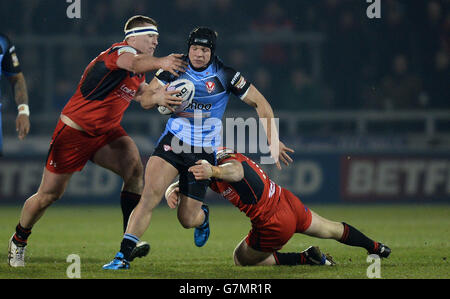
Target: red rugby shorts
(71, 149)
(291, 217)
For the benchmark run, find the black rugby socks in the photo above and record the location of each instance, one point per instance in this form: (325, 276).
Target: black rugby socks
(290, 258)
(128, 201)
(129, 242)
(354, 237)
(21, 236)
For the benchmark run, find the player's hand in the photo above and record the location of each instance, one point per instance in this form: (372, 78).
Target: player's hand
(149, 98)
(22, 126)
(173, 63)
(166, 98)
(172, 196)
(202, 170)
(282, 154)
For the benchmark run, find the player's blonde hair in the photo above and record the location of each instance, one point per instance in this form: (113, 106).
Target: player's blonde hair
(137, 21)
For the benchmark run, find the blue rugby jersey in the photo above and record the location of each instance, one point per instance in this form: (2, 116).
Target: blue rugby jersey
(200, 124)
(9, 66)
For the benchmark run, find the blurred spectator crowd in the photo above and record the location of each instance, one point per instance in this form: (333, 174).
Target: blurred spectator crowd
(400, 61)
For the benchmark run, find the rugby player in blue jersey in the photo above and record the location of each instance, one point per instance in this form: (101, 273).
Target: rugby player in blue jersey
(192, 135)
(10, 68)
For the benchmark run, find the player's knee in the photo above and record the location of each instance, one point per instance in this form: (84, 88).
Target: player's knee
(47, 198)
(236, 257)
(154, 193)
(186, 220)
(150, 199)
(240, 257)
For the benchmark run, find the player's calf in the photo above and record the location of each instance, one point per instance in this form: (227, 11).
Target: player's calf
(344, 233)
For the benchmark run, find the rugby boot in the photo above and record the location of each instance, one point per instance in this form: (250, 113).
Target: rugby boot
(314, 256)
(118, 263)
(142, 249)
(381, 250)
(16, 254)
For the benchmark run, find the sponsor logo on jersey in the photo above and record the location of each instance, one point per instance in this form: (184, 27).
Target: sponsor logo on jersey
(127, 93)
(210, 86)
(15, 60)
(241, 83)
(199, 106)
(227, 192)
(235, 78)
(167, 147)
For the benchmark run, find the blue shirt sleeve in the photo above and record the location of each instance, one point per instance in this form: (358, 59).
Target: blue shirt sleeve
(235, 81)
(10, 63)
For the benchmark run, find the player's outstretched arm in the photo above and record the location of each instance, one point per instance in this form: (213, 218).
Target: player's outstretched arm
(143, 63)
(277, 148)
(153, 94)
(231, 171)
(21, 97)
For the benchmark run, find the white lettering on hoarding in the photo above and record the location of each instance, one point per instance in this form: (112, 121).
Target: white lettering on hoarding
(401, 177)
(21, 179)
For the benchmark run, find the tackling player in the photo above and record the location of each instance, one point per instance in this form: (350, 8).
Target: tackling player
(275, 213)
(193, 135)
(89, 126)
(10, 67)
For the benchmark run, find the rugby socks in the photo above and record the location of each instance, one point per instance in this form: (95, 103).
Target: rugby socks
(129, 242)
(206, 220)
(354, 237)
(128, 201)
(290, 258)
(21, 236)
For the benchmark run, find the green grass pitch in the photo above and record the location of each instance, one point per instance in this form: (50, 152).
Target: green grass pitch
(418, 235)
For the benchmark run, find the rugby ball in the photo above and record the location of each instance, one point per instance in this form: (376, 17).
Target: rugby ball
(186, 91)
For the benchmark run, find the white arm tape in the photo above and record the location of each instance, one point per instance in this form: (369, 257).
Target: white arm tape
(23, 109)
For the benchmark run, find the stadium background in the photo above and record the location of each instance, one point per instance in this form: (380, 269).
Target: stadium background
(364, 102)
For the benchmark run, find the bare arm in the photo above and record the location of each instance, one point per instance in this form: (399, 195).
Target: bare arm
(21, 98)
(142, 63)
(153, 94)
(265, 113)
(20, 88)
(231, 171)
(255, 99)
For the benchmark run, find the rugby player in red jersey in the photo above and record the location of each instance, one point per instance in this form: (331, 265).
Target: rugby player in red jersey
(276, 214)
(89, 126)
